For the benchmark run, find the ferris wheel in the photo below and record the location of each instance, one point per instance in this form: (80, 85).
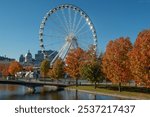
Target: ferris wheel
(66, 27)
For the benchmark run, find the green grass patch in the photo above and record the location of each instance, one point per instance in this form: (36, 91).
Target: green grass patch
(105, 91)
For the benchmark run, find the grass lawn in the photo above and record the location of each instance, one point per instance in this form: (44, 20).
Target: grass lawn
(124, 94)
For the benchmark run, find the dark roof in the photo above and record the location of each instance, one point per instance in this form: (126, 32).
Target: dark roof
(6, 58)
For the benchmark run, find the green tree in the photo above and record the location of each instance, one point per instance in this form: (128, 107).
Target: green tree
(45, 65)
(92, 72)
(90, 67)
(57, 71)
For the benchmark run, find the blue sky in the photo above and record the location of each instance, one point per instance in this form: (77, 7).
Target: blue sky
(20, 21)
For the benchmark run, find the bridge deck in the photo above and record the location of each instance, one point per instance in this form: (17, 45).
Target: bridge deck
(32, 83)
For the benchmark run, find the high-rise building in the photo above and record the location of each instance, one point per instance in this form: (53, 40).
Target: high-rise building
(28, 57)
(21, 58)
(39, 57)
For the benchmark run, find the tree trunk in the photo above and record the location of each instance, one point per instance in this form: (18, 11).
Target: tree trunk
(106, 82)
(44, 77)
(119, 87)
(95, 85)
(76, 82)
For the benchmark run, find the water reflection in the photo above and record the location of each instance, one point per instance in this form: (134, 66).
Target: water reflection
(12, 92)
(8, 88)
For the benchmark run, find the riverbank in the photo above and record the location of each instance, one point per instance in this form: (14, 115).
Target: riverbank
(107, 92)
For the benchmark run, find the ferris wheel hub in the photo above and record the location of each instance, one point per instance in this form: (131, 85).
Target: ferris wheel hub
(71, 37)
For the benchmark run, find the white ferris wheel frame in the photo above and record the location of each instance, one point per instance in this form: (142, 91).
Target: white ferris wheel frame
(75, 9)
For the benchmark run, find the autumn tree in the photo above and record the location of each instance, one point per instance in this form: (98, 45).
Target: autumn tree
(140, 59)
(57, 70)
(45, 67)
(1, 67)
(28, 68)
(73, 61)
(115, 62)
(4, 69)
(90, 67)
(14, 67)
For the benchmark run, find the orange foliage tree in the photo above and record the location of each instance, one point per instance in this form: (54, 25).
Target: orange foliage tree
(14, 67)
(57, 71)
(140, 59)
(115, 62)
(4, 69)
(73, 61)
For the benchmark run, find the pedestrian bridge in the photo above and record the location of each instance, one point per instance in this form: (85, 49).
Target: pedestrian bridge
(31, 83)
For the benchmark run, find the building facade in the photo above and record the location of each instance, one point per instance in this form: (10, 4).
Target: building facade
(28, 57)
(39, 57)
(6, 60)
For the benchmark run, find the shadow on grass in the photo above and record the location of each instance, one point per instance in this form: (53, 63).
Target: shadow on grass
(126, 88)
